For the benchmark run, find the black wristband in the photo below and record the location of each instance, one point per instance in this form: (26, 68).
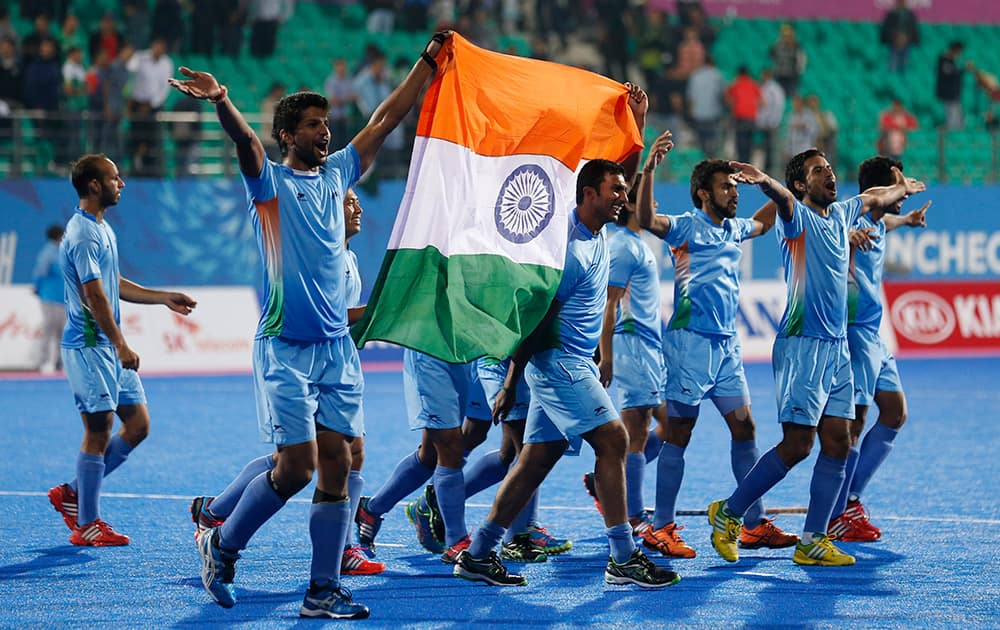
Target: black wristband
(430, 60)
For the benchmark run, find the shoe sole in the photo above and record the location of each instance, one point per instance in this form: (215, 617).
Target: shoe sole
(743, 545)
(476, 577)
(87, 543)
(810, 562)
(317, 614)
(619, 580)
(555, 551)
(358, 572)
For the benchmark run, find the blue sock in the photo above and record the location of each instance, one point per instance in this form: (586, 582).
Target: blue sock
(764, 475)
(89, 473)
(874, 449)
(258, 503)
(669, 474)
(653, 446)
(449, 484)
(409, 475)
(852, 464)
(828, 476)
(621, 542)
(524, 519)
(355, 486)
(485, 539)
(114, 456)
(635, 467)
(743, 455)
(328, 526)
(486, 471)
(223, 505)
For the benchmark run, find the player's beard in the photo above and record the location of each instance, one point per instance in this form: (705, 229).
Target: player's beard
(109, 196)
(722, 211)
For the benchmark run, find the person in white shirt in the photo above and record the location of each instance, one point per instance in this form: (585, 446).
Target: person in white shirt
(149, 70)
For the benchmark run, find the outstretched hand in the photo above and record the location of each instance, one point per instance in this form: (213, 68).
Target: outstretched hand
(199, 84)
(638, 102)
(911, 185)
(918, 218)
(437, 42)
(179, 303)
(748, 173)
(659, 150)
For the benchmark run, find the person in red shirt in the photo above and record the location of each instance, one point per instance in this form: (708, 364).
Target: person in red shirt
(106, 38)
(894, 123)
(744, 98)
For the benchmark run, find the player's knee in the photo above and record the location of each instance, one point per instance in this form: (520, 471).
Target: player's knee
(610, 440)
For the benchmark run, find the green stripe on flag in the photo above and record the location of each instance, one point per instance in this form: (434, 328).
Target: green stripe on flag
(456, 308)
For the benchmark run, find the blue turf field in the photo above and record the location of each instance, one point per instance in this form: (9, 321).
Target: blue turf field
(935, 498)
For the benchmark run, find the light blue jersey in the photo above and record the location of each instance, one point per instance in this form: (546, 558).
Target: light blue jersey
(352, 280)
(89, 250)
(583, 290)
(706, 272)
(816, 252)
(634, 268)
(47, 276)
(298, 218)
(864, 280)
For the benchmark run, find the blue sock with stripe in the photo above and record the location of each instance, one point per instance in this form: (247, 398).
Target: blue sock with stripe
(89, 474)
(743, 455)
(635, 469)
(669, 474)
(410, 474)
(449, 485)
(223, 505)
(485, 472)
(114, 456)
(328, 526)
(621, 542)
(828, 477)
(764, 475)
(874, 449)
(258, 503)
(485, 539)
(852, 464)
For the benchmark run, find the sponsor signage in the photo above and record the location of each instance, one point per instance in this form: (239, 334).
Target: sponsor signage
(945, 317)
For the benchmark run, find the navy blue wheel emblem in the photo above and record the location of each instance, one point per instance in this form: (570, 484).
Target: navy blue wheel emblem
(525, 204)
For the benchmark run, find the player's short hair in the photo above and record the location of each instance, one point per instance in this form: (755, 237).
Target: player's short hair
(592, 174)
(877, 171)
(288, 114)
(795, 171)
(54, 232)
(89, 167)
(701, 176)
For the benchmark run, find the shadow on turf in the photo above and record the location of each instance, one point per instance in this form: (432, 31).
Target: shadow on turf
(46, 560)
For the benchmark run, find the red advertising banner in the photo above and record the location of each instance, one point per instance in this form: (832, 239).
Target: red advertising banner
(945, 317)
(947, 11)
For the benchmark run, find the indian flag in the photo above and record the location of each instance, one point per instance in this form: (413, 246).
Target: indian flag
(477, 250)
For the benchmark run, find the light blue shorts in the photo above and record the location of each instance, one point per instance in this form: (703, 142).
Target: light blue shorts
(704, 366)
(638, 371)
(492, 375)
(301, 384)
(812, 379)
(873, 367)
(98, 380)
(567, 398)
(477, 405)
(436, 392)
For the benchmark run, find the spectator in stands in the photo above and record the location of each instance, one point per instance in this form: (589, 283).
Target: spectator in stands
(266, 16)
(614, 38)
(381, 16)
(826, 121)
(186, 135)
(699, 22)
(415, 15)
(655, 43)
(42, 89)
(483, 30)
(705, 96)
(48, 280)
(7, 30)
(339, 90)
(990, 86)
(74, 91)
(10, 74)
(894, 124)
(167, 23)
(112, 102)
(899, 32)
(788, 60)
(206, 21)
(554, 17)
(686, 10)
(54, 9)
(274, 94)
(234, 16)
(32, 43)
(106, 38)
(136, 14)
(374, 86)
(949, 85)
(150, 70)
(97, 74)
(803, 129)
(744, 97)
(769, 116)
(70, 34)
(691, 54)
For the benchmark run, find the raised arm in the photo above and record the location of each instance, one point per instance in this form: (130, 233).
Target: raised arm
(884, 196)
(393, 109)
(915, 218)
(249, 150)
(137, 294)
(658, 224)
(100, 308)
(781, 196)
(606, 345)
(638, 102)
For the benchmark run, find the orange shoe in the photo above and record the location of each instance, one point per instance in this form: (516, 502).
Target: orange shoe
(355, 562)
(64, 500)
(97, 534)
(767, 534)
(667, 541)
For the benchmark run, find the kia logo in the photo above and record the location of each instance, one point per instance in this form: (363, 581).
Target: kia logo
(923, 317)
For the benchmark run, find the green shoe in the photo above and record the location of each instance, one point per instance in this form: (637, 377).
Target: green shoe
(521, 549)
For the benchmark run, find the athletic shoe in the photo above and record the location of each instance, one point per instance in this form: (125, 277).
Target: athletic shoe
(725, 531)
(63, 498)
(218, 568)
(668, 541)
(641, 523)
(355, 562)
(639, 570)
(847, 529)
(367, 524)
(590, 484)
(451, 555)
(488, 569)
(543, 539)
(203, 521)
(767, 534)
(821, 552)
(331, 602)
(522, 549)
(420, 517)
(97, 534)
(437, 520)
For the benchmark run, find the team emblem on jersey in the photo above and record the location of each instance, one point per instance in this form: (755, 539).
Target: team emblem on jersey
(525, 204)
